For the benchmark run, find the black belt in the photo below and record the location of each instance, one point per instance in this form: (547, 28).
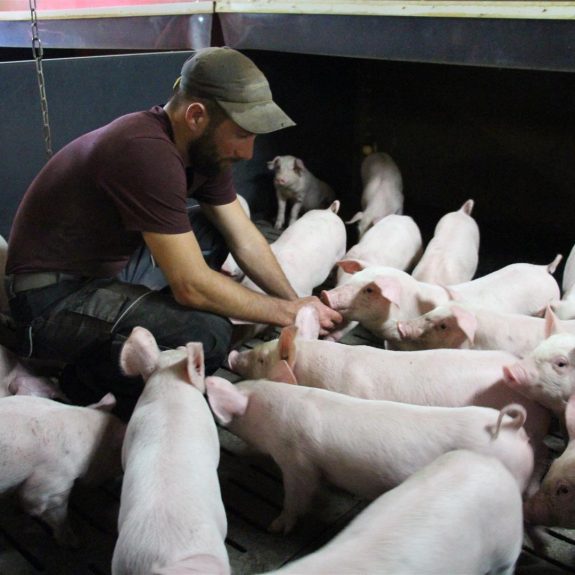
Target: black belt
(22, 282)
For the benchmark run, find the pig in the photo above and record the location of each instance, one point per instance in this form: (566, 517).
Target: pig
(47, 445)
(452, 255)
(394, 241)
(17, 379)
(565, 307)
(443, 378)
(362, 446)
(306, 252)
(462, 513)
(547, 373)
(230, 267)
(379, 296)
(554, 504)
(382, 193)
(171, 510)
(467, 326)
(4, 307)
(293, 182)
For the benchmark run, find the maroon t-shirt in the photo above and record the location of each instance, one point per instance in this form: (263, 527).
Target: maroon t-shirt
(85, 211)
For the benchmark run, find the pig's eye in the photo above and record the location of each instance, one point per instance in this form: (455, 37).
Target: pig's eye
(443, 326)
(561, 363)
(562, 490)
(368, 290)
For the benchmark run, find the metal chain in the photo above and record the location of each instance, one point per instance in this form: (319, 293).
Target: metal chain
(38, 53)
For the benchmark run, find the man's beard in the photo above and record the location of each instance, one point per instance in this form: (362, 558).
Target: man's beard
(203, 155)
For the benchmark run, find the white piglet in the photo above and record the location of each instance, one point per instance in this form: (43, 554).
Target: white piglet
(17, 379)
(363, 446)
(554, 503)
(379, 296)
(442, 378)
(171, 511)
(461, 325)
(452, 255)
(382, 193)
(47, 445)
(459, 514)
(307, 252)
(565, 307)
(547, 373)
(294, 183)
(394, 241)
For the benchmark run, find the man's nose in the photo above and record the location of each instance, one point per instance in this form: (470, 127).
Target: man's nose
(245, 150)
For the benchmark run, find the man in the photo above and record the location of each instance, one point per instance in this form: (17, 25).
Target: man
(89, 208)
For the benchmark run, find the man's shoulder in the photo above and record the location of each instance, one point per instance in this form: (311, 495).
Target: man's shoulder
(152, 123)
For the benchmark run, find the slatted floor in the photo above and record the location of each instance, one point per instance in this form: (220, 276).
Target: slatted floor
(252, 493)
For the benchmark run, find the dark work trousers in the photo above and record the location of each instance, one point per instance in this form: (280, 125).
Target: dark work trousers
(83, 323)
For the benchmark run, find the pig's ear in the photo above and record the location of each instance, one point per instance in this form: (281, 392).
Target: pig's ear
(140, 353)
(298, 166)
(467, 207)
(282, 372)
(552, 323)
(387, 288)
(107, 403)
(334, 207)
(225, 399)
(286, 344)
(355, 218)
(466, 321)
(351, 266)
(272, 163)
(307, 322)
(195, 364)
(553, 265)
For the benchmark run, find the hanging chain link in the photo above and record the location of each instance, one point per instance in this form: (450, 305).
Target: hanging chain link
(38, 53)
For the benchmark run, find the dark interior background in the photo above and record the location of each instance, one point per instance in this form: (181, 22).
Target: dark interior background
(502, 137)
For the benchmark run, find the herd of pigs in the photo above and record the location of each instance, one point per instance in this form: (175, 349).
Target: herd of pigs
(442, 427)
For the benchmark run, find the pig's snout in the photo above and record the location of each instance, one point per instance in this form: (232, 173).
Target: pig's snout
(280, 181)
(407, 331)
(326, 298)
(516, 376)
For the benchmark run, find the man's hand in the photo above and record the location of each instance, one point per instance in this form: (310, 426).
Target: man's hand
(328, 318)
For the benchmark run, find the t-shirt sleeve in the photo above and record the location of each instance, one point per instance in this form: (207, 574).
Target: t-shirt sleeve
(147, 183)
(217, 190)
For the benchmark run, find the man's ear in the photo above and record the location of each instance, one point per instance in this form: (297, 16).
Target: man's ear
(196, 118)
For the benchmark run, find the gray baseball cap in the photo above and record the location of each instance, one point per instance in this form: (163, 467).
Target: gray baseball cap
(238, 86)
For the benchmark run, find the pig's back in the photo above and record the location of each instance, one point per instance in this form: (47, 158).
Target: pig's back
(37, 432)
(460, 495)
(363, 446)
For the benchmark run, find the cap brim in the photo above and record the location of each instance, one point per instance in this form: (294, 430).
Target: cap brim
(258, 118)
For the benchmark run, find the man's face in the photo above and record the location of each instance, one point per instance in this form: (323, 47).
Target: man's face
(219, 147)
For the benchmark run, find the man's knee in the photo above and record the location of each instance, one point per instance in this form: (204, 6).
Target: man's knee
(217, 344)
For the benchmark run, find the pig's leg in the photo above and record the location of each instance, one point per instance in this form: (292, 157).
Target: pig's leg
(281, 213)
(295, 209)
(46, 497)
(301, 481)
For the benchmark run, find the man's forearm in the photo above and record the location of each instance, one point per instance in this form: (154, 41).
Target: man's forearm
(260, 264)
(219, 294)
